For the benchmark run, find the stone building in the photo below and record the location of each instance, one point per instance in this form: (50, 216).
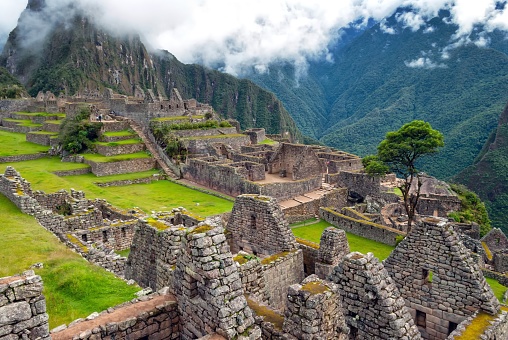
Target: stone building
(295, 161)
(441, 283)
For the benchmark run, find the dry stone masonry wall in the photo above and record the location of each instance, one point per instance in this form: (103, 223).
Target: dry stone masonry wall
(23, 308)
(441, 284)
(332, 247)
(373, 306)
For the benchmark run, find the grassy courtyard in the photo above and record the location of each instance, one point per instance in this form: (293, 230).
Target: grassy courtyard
(312, 232)
(73, 288)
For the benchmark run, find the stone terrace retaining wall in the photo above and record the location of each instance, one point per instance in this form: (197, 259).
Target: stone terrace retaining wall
(40, 138)
(23, 308)
(201, 145)
(370, 230)
(149, 317)
(121, 167)
(280, 274)
(51, 127)
(76, 172)
(21, 158)
(358, 182)
(108, 150)
(253, 280)
(120, 183)
(202, 133)
(336, 198)
(287, 190)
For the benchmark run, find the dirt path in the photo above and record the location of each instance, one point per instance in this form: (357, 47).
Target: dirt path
(117, 316)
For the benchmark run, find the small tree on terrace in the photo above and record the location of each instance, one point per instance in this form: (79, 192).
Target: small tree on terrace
(399, 152)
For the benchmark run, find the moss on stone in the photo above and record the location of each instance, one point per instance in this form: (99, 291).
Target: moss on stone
(268, 314)
(315, 288)
(243, 259)
(487, 251)
(202, 229)
(477, 327)
(274, 257)
(157, 224)
(76, 242)
(307, 243)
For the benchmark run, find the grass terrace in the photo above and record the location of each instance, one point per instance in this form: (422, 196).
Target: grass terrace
(173, 118)
(45, 133)
(15, 144)
(73, 288)
(22, 122)
(234, 135)
(157, 196)
(41, 114)
(121, 142)
(122, 133)
(268, 141)
(363, 245)
(103, 159)
(56, 122)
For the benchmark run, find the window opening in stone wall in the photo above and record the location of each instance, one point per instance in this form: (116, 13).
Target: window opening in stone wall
(253, 221)
(427, 276)
(421, 319)
(498, 240)
(451, 327)
(124, 232)
(353, 333)
(193, 288)
(84, 237)
(104, 236)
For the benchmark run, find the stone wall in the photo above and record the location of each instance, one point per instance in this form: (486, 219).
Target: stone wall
(496, 240)
(23, 308)
(121, 167)
(358, 182)
(501, 261)
(117, 236)
(256, 135)
(154, 251)
(295, 161)
(18, 191)
(310, 255)
(440, 282)
(204, 132)
(21, 158)
(373, 306)
(336, 198)
(200, 145)
(253, 280)
(119, 183)
(314, 311)
(497, 328)
(288, 190)
(41, 138)
(209, 289)
(284, 270)
(150, 317)
(121, 149)
(370, 230)
(51, 127)
(13, 105)
(438, 206)
(333, 246)
(258, 226)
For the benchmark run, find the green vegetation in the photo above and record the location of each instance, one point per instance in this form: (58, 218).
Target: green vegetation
(120, 142)
(15, 144)
(10, 87)
(399, 152)
(268, 314)
(23, 122)
(73, 287)
(42, 114)
(78, 134)
(472, 209)
(159, 195)
(497, 288)
(268, 141)
(123, 133)
(356, 243)
(105, 159)
(315, 288)
(124, 253)
(233, 135)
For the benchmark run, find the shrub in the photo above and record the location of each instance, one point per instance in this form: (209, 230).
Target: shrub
(472, 209)
(78, 134)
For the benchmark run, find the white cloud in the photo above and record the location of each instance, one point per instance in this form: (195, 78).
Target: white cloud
(424, 62)
(241, 35)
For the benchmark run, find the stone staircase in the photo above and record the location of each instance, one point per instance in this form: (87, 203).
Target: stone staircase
(151, 146)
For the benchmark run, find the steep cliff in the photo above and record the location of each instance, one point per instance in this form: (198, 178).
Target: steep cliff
(488, 176)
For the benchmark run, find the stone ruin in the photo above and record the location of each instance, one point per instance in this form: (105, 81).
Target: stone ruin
(237, 295)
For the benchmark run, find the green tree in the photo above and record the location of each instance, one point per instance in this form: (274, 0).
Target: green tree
(399, 153)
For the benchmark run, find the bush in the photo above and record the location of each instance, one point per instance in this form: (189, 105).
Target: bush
(78, 134)
(472, 209)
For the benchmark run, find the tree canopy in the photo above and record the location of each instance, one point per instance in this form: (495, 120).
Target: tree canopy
(399, 153)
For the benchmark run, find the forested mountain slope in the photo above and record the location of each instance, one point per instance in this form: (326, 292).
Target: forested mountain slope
(379, 81)
(77, 56)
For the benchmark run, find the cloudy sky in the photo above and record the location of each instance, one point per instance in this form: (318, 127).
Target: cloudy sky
(245, 33)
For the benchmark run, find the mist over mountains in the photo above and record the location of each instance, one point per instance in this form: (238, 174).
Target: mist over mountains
(347, 72)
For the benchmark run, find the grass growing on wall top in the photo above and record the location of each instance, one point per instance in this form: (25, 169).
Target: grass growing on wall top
(497, 288)
(103, 159)
(159, 195)
(122, 133)
(73, 288)
(356, 243)
(15, 144)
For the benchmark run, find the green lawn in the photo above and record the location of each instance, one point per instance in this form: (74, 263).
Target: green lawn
(15, 144)
(41, 114)
(122, 133)
(23, 122)
(73, 287)
(102, 159)
(160, 195)
(356, 243)
(497, 288)
(121, 142)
